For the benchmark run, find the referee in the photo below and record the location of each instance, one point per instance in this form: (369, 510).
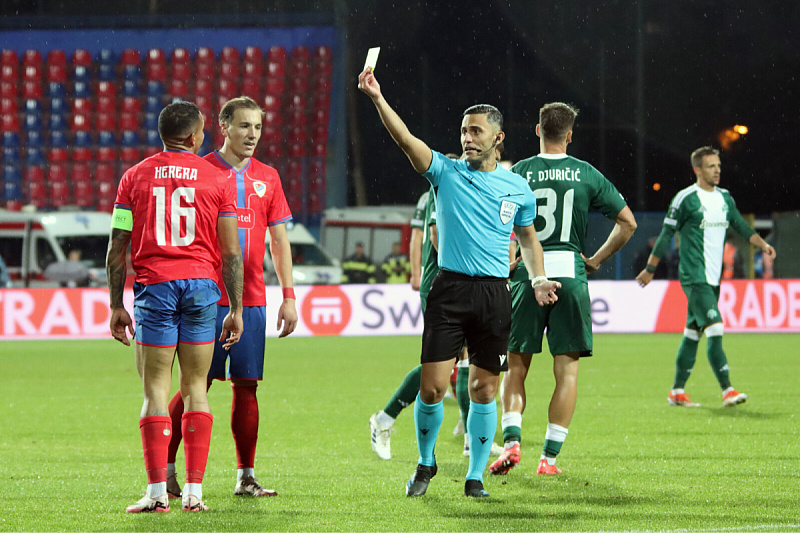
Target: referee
(478, 205)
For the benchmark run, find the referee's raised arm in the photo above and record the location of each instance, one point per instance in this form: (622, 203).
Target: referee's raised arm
(416, 150)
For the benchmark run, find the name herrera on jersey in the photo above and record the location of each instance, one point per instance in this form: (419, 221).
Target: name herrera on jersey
(556, 174)
(705, 224)
(176, 173)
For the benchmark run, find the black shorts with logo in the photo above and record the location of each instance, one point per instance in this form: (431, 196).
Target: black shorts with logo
(475, 309)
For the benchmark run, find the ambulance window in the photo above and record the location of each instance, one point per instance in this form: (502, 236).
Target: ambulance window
(11, 251)
(44, 253)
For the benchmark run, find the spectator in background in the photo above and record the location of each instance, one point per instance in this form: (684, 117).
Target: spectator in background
(640, 261)
(5, 279)
(358, 268)
(396, 267)
(732, 265)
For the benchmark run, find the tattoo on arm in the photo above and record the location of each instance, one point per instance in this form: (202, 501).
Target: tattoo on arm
(233, 277)
(116, 265)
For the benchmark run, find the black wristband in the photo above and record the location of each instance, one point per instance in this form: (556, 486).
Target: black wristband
(650, 268)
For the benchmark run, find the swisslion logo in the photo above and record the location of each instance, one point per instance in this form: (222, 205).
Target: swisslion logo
(326, 310)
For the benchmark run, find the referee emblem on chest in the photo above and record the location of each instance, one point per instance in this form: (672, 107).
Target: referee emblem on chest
(507, 211)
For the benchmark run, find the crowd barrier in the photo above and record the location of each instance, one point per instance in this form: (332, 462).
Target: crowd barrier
(617, 307)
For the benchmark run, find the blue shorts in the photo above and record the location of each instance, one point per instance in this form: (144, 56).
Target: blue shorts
(175, 311)
(247, 355)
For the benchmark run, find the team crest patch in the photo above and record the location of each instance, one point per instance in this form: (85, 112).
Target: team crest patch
(260, 187)
(507, 211)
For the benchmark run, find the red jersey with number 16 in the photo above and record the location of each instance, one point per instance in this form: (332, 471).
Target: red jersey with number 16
(175, 199)
(261, 203)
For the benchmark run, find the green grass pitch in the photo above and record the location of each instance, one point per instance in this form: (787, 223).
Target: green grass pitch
(71, 460)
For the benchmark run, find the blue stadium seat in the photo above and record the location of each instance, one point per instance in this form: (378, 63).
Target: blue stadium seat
(83, 139)
(151, 121)
(35, 139)
(58, 105)
(56, 90)
(81, 73)
(130, 88)
(34, 157)
(130, 138)
(133, 73)
(106, 138)
(11, 173)
(106, 72)
(11, 157)
(153, 138)
(155, 88)
(13, 192)
(106, 57)
(58, 139)
(82, 90)
(57, 122)
(153, 105)
(33, 107)
(10, 139)
(33, 122)
(208, 144)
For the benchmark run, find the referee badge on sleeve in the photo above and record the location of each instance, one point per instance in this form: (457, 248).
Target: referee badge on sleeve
(507, 211)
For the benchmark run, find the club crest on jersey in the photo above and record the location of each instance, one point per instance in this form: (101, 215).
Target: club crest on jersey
(260, 188)
(507, 211)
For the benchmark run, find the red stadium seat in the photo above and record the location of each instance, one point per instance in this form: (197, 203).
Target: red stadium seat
(105, 205)
(58, 194)
(130, 154)
(271, 134)
(320, 117)
(32, 90)
(203, 87)
(272, 103)
(294, 170)
(298, 85)
(181, 71)
(156, 56)
(81, 58)
(106, 190)
(8, 106)
(227, 88)
(106, 88)
(301, 53)
(32, 58)
(252, 88)
(319, 149)
(58, 156)
(130, 105)
(322, 101)
(180, 55)
(295, 202)
(57, 173)
(205, 55)
(130, 56)
(273, 118)
(81, 172)
(32, 73)
(81, 155)
(323, 69)
(253, 54)
(323, 53)
(205, 104)
(105, 122)
(129, 121)
(300, 69)
(34, 175)
(157, 72)
(297, 118)
(151, 151)
(276, 70)
(106, 105)
(9, 123)
(316, 169)
(57, 57)
(84, 193)
(106, 153)
(9, 57)
(253, 71)
(229, 54)
(8, 90)
(35, 193)
(105, 173)
(297, 135)
(274, 86)
(229, 71)
(205, 72)
(277, 54)
(294, 184)
(297, 150)
(323, 85)
(297, 102)
(319, 134)
(316, 204)
(81, 106)
(56, 74)
(178, 89)
(9, 73)
(272, 151)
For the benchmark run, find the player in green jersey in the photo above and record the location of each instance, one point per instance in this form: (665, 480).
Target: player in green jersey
(701, 214)
(566, 189)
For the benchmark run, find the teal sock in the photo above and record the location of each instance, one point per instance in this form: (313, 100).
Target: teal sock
(684, 363)
(405, 394)
(481, 426)
(427, 420)
(462, 392)
(718, 361)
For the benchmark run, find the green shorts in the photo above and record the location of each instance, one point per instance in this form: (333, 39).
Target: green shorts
(568, 322)
(703, 310)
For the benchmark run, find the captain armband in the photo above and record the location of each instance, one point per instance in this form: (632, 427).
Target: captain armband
(122, 219)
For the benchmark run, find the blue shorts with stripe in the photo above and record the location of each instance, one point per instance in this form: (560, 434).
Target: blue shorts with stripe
(175, 311)
(245, 359)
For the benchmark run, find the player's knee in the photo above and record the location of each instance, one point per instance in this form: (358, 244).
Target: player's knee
(715, 330)
(691, 334)
(482, 391)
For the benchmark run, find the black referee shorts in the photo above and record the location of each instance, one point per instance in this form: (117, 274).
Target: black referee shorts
(475, 309)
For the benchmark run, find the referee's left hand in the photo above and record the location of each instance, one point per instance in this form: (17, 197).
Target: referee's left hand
(545, 292)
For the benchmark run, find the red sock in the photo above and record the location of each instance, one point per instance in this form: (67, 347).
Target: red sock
(196, 426)
(175, 413)
(244, 424)
(156, 431)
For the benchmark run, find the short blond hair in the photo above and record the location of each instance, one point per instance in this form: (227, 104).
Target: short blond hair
(240, 102)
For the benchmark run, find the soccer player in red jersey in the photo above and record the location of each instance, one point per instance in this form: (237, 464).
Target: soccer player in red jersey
(178, 212)
(261, 206)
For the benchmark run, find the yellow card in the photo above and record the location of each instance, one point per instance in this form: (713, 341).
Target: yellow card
(372, 58)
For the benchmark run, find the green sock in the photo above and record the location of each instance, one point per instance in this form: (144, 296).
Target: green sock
(462, 392)
(684, 363)
(718, 361)
(405, 394)
(512, 434)
(554, 439)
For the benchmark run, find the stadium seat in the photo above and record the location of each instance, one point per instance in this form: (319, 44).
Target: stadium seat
(277, 54)
(205, 72)
(35, 193)
(253, 54)
(82, 139)
(294, 184)
(81, 58)
(9, 57)
(11, 156)
(58, 105)
(130, 154)
(13, 195)
(106, 89)
(81, 172)
(322, 101)
(323, 85)
(130, 88)
(316, 204)
(323, 53)
(323, 69)
(8, 90)
(301, 53)
(58, 194)
(157, 72)
(81, 89)
(298, 85)
(152, 138)
(9, 73)
(181, 71)
(272, 151)
(57, 173)
(320, 117)
(57, 139)
(227, 88)
(81, 106)
(271, 134)
(106, 72)
(297, 118)
(295, 202)
(57, 57)
(276, 70)
(34, 174)
(132, 73)
(33, 89)
(106, 105)
(129, 121)
(79, 74)
(32, 58)
(203, 88)
(32, 73)
(275, 86)
(300, 69)
(130, 56)
(105, 190)
(105, 122)
(251, 87)
(11, 139)
(81, 154)
(9, 123)
(316, 170)
(319, 149)
(156, 56)
(205, 55)
(229, 71)
(83, 193)
(105, 173)
(273, 118)
(106, 57)
(151, 151)
(294, 169)
(130, 138)
(151, 120)
(9, 105)
(178, 89)
(80, 123)
(297, 102)
(272, 103)
(252, 71)
(180, 55)
(106, 154)
(12, 174)
(35, 140)
(58, 73)
(106, 138)
(229, 54)
(58, 156)
(297, 150)
(204, 103)
(153, 104)
(319, 134)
